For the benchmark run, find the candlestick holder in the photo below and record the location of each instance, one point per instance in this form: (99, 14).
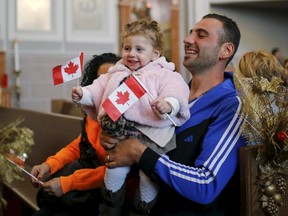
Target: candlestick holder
(17, 87)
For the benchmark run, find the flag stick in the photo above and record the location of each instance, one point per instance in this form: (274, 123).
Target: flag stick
(25, 171)
(81, 56)
(174, 123)
(78, 82)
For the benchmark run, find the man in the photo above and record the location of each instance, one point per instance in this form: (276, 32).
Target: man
(199, 174)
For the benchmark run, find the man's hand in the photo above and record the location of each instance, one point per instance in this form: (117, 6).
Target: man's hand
(109, 142)
(125, 153)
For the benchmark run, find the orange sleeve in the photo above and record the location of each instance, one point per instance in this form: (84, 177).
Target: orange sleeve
(65, 156)
(85, 178)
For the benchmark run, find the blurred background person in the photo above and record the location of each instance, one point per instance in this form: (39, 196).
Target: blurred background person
(286, 69)
(278, 55)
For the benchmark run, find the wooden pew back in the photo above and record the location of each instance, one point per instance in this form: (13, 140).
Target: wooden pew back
(51, 133)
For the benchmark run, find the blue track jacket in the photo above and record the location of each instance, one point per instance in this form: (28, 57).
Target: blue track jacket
(206, 157)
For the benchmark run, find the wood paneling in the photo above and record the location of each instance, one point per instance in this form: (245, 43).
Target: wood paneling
(125, 17)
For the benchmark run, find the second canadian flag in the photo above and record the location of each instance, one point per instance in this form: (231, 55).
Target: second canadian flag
(123, 98)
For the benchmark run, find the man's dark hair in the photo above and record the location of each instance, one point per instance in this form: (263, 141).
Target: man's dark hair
(92, 66)
(231, 31)
(275, 50)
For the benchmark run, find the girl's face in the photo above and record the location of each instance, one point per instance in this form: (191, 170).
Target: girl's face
(137, 51)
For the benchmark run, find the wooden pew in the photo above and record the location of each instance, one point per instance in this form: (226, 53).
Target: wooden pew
(51, 133)
(65, 107)
(250, 206)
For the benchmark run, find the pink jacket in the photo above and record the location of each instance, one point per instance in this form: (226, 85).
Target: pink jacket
(160, 80)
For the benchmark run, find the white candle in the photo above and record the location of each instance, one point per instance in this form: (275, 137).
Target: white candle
(16, 56)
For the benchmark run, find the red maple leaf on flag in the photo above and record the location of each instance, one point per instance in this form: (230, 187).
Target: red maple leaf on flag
(122, 97)
(71, 69)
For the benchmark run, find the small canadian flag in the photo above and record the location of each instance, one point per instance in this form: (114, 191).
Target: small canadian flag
(68, 71)
(128, 93)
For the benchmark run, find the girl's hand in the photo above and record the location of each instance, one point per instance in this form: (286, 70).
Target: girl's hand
(77, 94)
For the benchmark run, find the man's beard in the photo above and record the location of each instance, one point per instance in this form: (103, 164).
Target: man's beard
(207, 60)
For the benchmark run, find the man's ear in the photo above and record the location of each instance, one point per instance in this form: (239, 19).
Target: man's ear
(227, 50)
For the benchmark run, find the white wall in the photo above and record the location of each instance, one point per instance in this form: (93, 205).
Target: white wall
(191, 11)
(39, 55)
(261, 29)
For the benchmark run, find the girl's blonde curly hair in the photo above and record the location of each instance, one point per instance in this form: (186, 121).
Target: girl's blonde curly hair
(150, 29)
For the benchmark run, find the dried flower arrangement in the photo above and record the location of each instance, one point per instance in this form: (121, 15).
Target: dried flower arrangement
(265, 109)
(14, 140)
